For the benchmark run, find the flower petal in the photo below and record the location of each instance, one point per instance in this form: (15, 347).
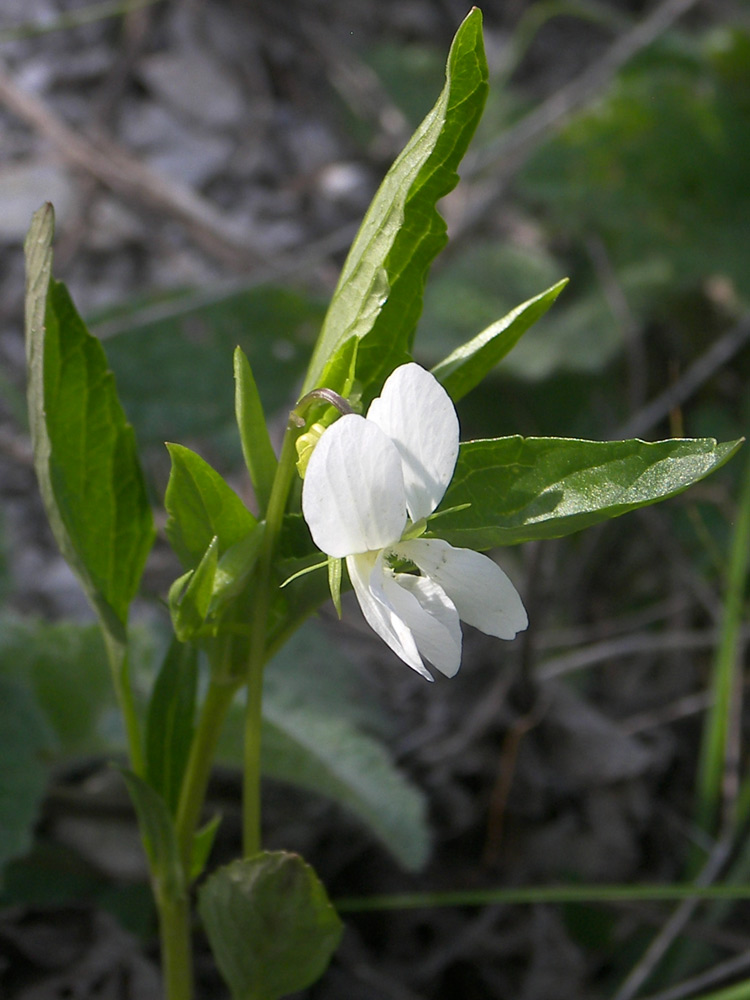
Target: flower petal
(430, 616)
(417, 413)
(353, 494)
(482, 593)
(367, 573)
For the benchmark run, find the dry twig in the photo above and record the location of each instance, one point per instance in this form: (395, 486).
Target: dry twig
(717, 355)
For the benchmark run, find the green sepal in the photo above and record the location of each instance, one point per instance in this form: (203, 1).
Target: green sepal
(305, 446)
(257, 449)
(465, 367)
(334, 583)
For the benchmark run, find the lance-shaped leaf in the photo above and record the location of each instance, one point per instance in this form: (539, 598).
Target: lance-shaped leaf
(270, 923)
(379, 295)
(169, 721)
(158, 834)
(84, 449)
(257, 449)
(201, 506)
(520, 489)
(465, 367)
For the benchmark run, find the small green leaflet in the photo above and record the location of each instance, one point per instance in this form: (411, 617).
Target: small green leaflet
(257, 449)
(201, 506)
(465, 367)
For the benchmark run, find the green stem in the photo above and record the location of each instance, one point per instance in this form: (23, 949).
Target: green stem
(251, 835)
(727, 665)
(117, 654)
(174, 910)
(215, 707)
(258, 652)
(176, 946)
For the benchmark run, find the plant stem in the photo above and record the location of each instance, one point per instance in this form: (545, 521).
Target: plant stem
(215, 706)
(117, 654)
(727, 664)
(176, 945)
(251, 836)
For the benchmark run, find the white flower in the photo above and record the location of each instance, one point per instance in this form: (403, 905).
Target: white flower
(368, 481)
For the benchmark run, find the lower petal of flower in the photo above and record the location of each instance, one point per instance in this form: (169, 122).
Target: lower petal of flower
(481, 592)
(431, 617)
(367, 573)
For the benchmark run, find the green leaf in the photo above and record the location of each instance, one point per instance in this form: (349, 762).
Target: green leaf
(158, 834)
(84, 449)
(379, 295)
(526, 488)
(201, 506)
(465, 367)
(169, 721)
(199, 598)
(235, 567)
(257, 449)
(190, 596)
(488, 279)
(24, 739)
(203, 841)
(270, 924)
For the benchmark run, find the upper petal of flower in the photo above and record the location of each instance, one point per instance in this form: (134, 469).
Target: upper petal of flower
(367, 573)
(417, 413)
(353, 495)
(430, 616)
(482, 593)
